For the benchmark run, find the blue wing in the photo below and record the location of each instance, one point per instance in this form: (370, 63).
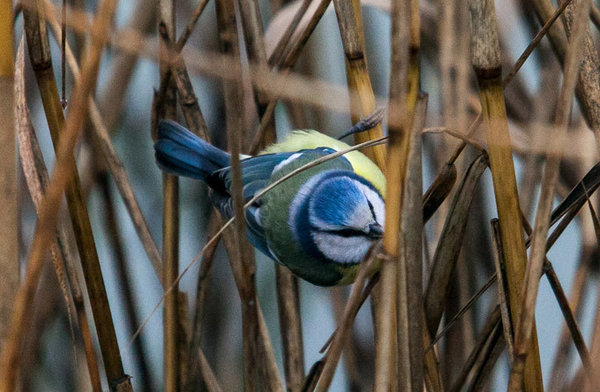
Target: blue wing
(256, 173)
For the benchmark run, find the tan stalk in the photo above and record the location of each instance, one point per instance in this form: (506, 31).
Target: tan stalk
(9, 220)
(363, 103)
(170, 227)
(399, 119)
(485, 57)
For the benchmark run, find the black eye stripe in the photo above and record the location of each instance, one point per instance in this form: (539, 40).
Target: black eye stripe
(372, 209)
(347, 233)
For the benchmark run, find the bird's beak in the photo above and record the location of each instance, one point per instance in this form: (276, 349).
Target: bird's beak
(375, 231)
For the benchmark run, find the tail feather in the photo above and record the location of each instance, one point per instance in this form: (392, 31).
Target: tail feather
(180, 152)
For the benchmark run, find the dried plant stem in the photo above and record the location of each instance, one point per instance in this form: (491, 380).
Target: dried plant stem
(115, 165)
(363, 103)
(486, 62)
(170, 226)
(542, 222)
(36, 176)
(399, 119)
(257, 349)
(9, 220)
(48, 218)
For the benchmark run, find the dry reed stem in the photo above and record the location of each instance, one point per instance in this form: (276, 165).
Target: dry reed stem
(48, 218)
(9, 220)
(257, 350)
(363, 103)
(399, 119)
(36, 176)
(490, 327)
(115, 165)
(287, 285)
(167, 108)
(486, 62)
(412, 227)
(538, 248)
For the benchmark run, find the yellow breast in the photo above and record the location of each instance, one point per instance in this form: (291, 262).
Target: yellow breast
(309, 139)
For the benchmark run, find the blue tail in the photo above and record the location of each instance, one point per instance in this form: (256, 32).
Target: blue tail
(180, 152)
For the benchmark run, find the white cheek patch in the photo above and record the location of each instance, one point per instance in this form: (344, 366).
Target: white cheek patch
(342, 250)
(376, 202)
(304, 192)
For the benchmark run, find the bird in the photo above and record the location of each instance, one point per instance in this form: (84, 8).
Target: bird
(319, 223)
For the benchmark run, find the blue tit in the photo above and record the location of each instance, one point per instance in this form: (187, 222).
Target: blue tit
(319, 223)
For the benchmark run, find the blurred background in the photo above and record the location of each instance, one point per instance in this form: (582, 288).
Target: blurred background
(53, 357)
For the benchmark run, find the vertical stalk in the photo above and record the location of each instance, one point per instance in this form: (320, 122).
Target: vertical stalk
(350, 24)
(170, 253)
(485, 58)
(9, 219)
(397, 155)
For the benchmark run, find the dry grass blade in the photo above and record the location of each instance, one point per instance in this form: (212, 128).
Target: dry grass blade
(486, 62)
(450, 244)
(542, 221)
(450, 323)
(438, 190)
(275, 57)
(490, 328)
(9, 221)
(499, 262)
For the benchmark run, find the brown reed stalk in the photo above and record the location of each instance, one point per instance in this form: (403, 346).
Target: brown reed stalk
(258, 356)
(48, 218)
(170, 226)
(287, 285)
(36, 176)
(485, 52)
(9, 220)
(115, 165)
(363, 103)
(399, 119)
(243, 256)
(525, 320)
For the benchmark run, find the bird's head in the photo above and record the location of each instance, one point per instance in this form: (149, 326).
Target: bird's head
(339, 216)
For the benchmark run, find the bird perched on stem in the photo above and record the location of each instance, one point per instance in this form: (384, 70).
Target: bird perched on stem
(319, 223)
